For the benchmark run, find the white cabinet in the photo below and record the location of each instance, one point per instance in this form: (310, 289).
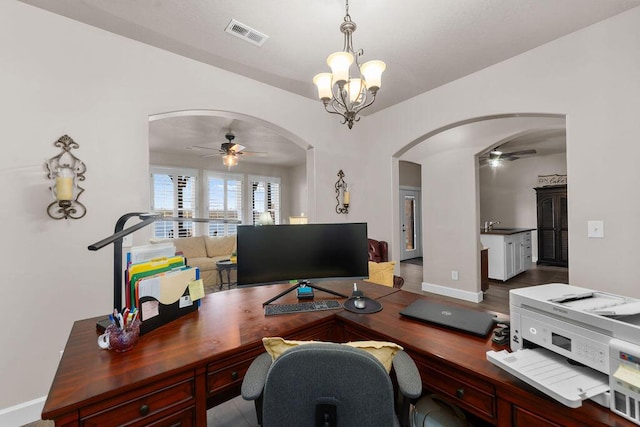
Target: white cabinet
(509, 254)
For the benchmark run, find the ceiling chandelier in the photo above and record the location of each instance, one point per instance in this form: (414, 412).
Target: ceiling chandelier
(345, 92)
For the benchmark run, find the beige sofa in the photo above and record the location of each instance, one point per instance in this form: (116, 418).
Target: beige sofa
(203, 252)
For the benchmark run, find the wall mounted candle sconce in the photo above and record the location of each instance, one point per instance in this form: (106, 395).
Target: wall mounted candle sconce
(342, 195)
(65, 170)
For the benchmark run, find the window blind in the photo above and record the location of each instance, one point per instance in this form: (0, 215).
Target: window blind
(265, 197)
(225, 203)
(173, 194)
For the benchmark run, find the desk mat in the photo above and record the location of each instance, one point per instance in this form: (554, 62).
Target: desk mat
(371, 306)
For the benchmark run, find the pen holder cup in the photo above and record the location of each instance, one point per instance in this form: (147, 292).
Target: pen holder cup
(120, 340)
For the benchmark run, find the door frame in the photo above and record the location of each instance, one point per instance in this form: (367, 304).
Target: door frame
(417, 193)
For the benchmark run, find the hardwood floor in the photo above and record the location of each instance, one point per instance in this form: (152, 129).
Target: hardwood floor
(496, 299)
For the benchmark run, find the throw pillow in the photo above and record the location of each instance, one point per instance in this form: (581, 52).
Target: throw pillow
(219, 245)
(381, 273)
(381, 350)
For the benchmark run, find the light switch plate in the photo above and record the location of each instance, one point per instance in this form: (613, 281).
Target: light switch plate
(595, 229)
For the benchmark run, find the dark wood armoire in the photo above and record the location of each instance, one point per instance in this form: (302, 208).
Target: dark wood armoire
(553, 228)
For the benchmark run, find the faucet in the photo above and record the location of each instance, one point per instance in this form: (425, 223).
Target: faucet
(488, 225)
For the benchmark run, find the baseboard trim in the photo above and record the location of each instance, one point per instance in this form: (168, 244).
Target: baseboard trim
(22, 413)
(453, 293)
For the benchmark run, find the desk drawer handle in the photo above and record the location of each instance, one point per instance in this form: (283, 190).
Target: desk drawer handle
(144, 410)
(234, 375)
(460, 393)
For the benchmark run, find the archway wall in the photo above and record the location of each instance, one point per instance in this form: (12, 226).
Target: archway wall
(591, 77)
(450, 183)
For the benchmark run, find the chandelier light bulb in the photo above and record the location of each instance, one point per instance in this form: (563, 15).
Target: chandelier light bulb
(372, 73)
(323, 82)
(354, 89)
(340, 62)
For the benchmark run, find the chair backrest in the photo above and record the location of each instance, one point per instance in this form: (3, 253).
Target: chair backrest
(378, 250)
(327, 381)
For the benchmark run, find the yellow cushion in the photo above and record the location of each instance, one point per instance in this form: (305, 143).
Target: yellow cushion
(381, 273)
(381, 350)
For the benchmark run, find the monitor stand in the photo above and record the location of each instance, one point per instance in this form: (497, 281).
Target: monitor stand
(299, 284)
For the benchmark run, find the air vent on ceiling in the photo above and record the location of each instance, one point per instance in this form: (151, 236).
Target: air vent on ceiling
(246, 33)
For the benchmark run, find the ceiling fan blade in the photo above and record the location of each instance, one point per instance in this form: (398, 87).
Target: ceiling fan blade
(520, 153)
(237, 148)
(511, 158)
(201, 147)
(253, 153)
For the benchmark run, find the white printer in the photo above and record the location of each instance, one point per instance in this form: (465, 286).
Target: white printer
(574, 343)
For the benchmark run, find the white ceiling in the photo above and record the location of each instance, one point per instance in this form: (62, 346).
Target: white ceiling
(425, 43)
(179, 134)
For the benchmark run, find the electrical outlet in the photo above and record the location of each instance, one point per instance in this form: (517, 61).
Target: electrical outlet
(454, 275)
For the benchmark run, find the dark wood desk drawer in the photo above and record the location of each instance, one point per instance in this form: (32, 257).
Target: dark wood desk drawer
(149, 404)
(184, 418)
(471, 395)
(524, 418)
(230, 371)
(225, 376)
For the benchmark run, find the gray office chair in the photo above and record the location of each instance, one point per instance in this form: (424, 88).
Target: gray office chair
(330, 385)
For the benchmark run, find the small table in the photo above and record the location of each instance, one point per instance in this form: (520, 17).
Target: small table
(226, 265)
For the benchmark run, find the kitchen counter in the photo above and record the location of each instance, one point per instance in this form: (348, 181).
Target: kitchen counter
(509, 251)
(505, 231)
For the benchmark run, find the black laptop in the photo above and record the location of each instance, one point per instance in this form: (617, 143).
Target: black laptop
(474, 322)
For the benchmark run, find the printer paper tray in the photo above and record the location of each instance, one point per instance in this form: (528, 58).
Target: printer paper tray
(552, 374)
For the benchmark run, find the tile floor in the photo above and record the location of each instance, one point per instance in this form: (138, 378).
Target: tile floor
(236, 412)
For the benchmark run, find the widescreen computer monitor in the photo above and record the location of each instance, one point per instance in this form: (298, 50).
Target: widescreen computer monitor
(310, 252)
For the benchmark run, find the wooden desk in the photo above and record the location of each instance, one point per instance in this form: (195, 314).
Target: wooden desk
(179, 370)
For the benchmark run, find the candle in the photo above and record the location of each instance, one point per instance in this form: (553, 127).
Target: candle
(64, 186)
(345, 198)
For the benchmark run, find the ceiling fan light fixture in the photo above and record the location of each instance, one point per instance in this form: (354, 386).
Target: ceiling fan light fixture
(230, 160)
(494, 163)
(344, 91)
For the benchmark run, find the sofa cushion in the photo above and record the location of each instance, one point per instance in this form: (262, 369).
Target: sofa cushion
(203, 263)
(219, 245)
(191, 247)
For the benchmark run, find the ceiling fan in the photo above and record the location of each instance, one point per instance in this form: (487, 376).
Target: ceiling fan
(230, 152)
(495, 157)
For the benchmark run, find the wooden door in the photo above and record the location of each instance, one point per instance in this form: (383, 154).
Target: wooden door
(553, 226)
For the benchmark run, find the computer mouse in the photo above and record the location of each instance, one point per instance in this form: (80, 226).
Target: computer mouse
(359, 303)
